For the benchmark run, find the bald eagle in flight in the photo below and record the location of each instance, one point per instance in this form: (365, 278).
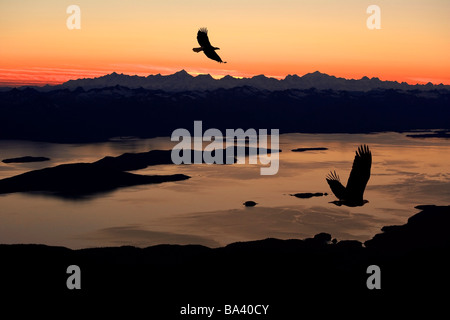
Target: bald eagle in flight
(352, 194)
(206, 47)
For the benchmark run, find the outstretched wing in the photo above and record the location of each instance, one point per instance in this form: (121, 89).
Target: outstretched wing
(360, 174)
(336, 185)
(202, 38)
(212, 55)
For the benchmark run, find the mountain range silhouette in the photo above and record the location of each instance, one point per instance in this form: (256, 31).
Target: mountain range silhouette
(183, 81)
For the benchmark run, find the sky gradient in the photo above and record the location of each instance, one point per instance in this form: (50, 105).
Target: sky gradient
(275, 38)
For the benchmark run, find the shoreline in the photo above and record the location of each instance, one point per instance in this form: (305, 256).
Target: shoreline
(292, 276)
(420, 223)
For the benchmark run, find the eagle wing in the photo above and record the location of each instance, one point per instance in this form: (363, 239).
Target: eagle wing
(202, 38)
(336, 185)
(360, 174)
(212, 55)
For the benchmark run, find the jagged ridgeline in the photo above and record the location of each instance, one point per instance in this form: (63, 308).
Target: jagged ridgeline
(183, 81)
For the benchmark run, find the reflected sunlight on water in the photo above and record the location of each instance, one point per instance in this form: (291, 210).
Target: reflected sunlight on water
(207, 209)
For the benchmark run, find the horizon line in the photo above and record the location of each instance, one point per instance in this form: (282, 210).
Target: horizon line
(36, 82)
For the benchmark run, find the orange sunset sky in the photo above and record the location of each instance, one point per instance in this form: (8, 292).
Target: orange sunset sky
(275, 38)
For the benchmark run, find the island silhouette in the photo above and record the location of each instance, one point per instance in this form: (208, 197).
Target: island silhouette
(25, 159)
(77, 180)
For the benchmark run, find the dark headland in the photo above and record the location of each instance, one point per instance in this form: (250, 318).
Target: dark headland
(293, 276)
(107, 174)
(77, 180)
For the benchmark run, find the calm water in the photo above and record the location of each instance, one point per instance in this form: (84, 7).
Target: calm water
(207, 209)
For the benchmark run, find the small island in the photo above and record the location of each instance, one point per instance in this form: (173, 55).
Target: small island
(25, 159)
(445, 134)
(307, 195)
(309, 149)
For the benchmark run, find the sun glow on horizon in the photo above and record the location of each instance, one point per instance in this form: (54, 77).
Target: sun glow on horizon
(143, 38)
(42, 77)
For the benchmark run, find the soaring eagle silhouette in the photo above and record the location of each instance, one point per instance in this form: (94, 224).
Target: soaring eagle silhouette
(206, 47)
(352, 194)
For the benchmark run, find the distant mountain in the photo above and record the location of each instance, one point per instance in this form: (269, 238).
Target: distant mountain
(183, 81)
